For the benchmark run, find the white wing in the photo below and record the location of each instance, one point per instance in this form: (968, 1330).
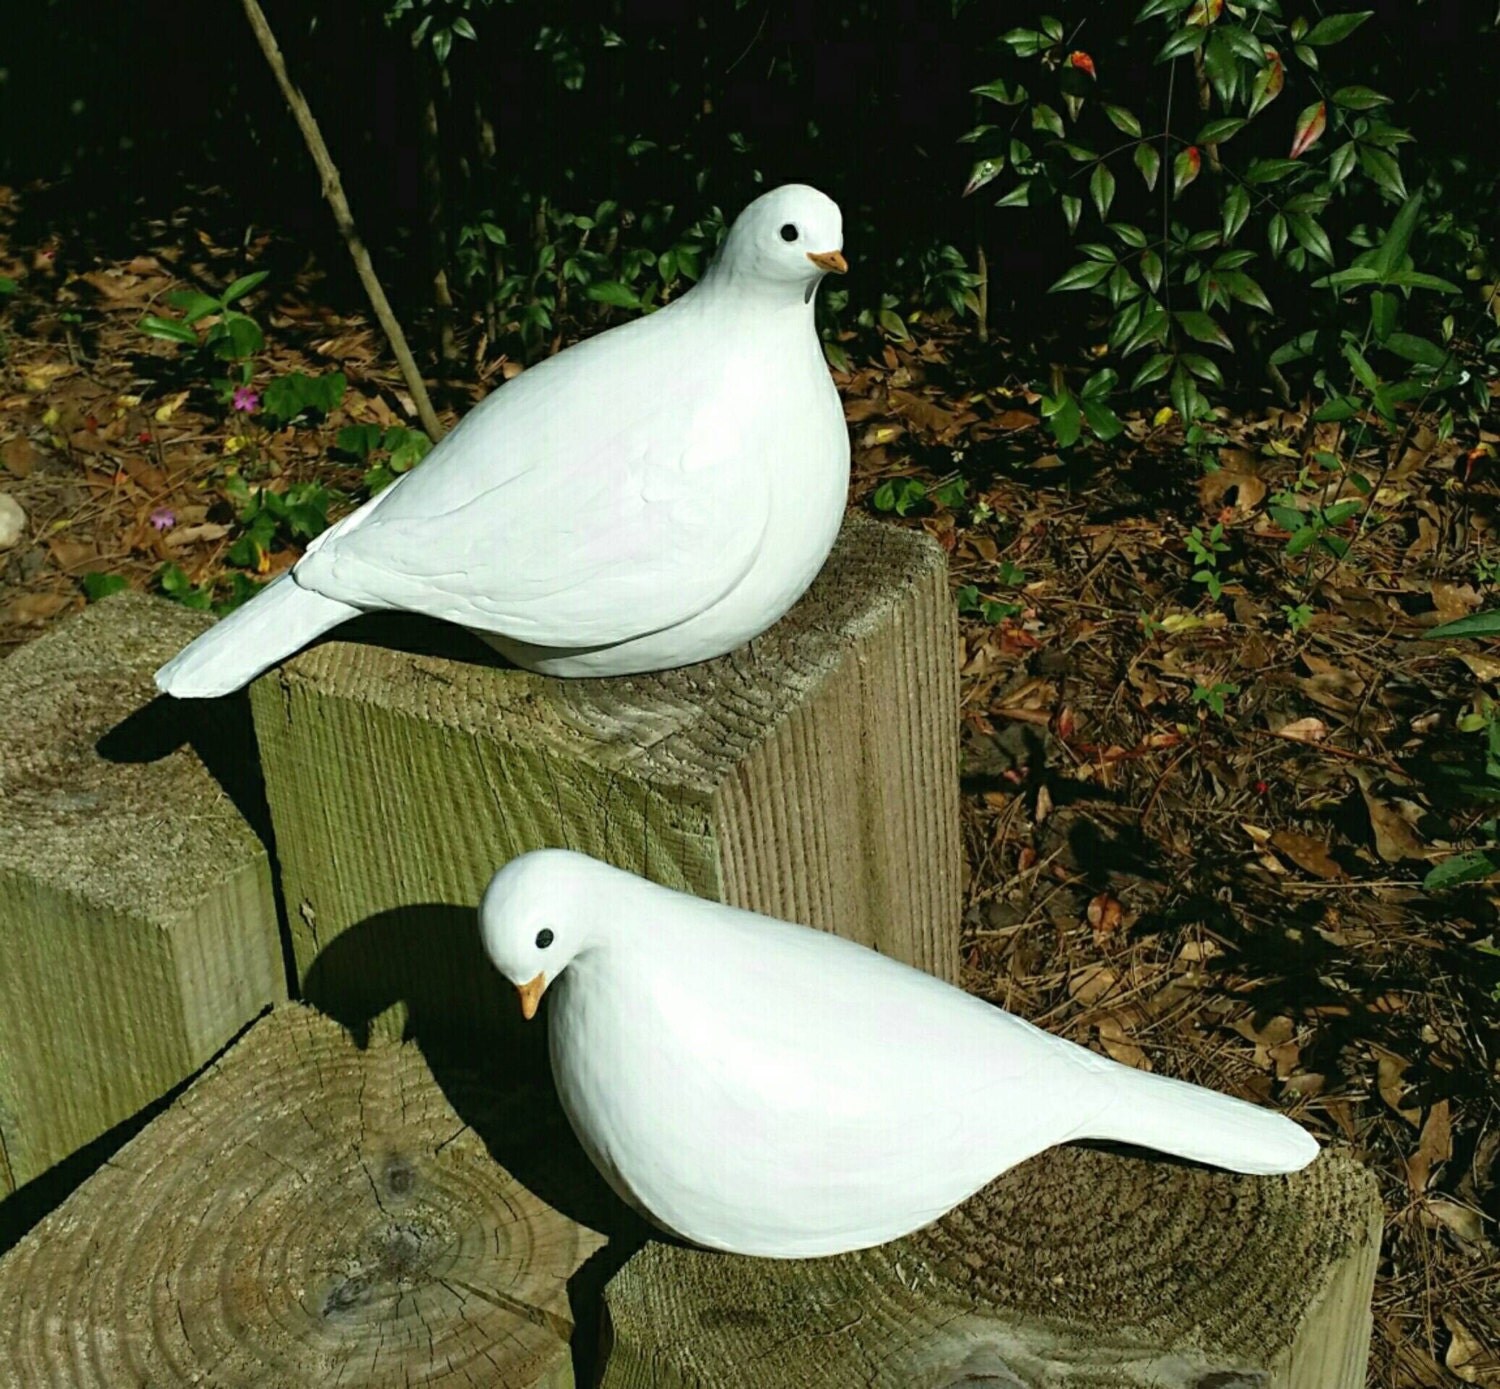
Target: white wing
(607, 493)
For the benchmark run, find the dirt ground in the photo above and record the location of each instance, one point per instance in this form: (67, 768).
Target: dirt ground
(1197, 815)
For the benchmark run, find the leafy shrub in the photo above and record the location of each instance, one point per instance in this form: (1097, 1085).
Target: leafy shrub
(1185, 208)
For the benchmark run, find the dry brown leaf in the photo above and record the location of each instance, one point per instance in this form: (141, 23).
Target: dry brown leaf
(1104, 915)
(1304, 730)
(1390, 1081)
(1454, 601)
(1309, 854)
(1092, 983)
(926, 415)
(193, 535)
(1116, 1042)
(1238, 477)
(37, 378)
(1485, 667)
(1460, 1220)
(1468, 1357)
(1043, 804)
(1434, 1146)
(19, 455)
(36, 607)
(1394, 839)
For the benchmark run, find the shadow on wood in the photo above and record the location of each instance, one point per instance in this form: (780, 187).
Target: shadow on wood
(137, 919)
(810, 775)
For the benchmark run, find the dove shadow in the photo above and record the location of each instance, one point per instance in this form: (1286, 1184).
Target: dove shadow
(425, 962)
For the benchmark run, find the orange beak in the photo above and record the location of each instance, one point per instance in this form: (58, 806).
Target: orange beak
(829, 260)
(531, 995)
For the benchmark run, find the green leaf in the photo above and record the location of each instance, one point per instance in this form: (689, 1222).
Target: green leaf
(1381, 166)
(463, 28)
(1085, 275)
(894, 324)
(1201, 328)
(1416, 279)
(1102, 189)
(1311, 236)
(1246, 290)
(1151, 269)
(1382, 314)
(1072, 207)
(1148, 161)
(168, 329)
(1364, 373)
(194, 306)
(1236, 211)
(1217, 132)
(1340, 408)
(1156, 367)
(1463, 868)
(615, 294)
(1102, 420)
(1358, 98)
(1203, 368)
(1341, 163)
(1152, 8)
(1019, 196)
(1335, 27)
(97, 586)
(1485, 624)
(242, 286)
(1270, 170)
(1422, 351)
(1397, 240)
(1345, 279)
(1130, 235)
(1044, 117)
(1183, 41)
(359, 439)
(1065, 419)
(1006, 93)
(1122, 119)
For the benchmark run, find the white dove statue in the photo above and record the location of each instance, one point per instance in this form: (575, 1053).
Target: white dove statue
(764, 1088)
(651, 497)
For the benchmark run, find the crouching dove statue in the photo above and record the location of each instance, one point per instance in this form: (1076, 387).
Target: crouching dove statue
(764, 1088)
(651, 497)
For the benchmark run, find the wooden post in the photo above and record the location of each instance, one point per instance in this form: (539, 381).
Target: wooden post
(138, 930)
(307, 1214)
(1080, 1269)
(811, 775)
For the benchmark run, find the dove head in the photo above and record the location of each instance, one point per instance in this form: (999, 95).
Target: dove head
(784, 242)
(534, 918)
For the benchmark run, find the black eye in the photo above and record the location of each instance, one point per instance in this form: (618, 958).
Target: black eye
(543, 938)
(789, 232)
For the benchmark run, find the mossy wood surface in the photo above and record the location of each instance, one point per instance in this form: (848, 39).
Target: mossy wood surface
(306, 1214)
(1079, 1269)
(137, 927)
(811, 775)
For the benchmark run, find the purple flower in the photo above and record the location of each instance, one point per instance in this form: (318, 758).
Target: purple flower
(245, 399)
(163, 518)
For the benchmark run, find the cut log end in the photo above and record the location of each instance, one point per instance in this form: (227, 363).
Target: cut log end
(1081, 1268)
(305, 1214)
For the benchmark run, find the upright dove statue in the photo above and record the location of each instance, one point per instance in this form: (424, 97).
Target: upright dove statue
(651, 497)
(764, 1088)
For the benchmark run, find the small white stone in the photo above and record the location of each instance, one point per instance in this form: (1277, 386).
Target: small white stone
(12, 521)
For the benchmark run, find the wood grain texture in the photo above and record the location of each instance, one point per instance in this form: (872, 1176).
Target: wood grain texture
(305, 1214)
(137, 925)
(1080, 1269)
(811, 774)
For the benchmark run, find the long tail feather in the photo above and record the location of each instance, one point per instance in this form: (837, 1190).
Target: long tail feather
(1188, 1121)
(278, 621)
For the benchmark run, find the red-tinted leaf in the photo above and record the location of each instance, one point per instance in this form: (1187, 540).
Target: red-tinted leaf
(1205, 11)
(1081, 60)
(1268, 82)
(1185, 168)
(1310, 127)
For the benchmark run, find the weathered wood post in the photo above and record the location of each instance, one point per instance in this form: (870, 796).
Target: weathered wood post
(307, 1214)
(138, 931)
(811, 775)
(1079, 1269)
